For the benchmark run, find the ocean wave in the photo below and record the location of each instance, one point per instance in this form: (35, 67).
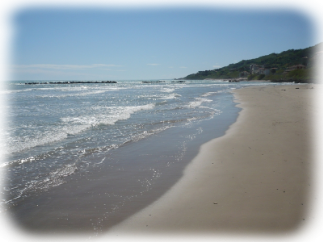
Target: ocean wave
(55, 178)
(144, 134)
(167, 90)
(49, 136)
(73, 95)
(171, 96)
(156, 96)
(15, 91)
(198, 101)
(70, 91)
(210, 93)
(114, 114)
(73, 126)
(17, 162)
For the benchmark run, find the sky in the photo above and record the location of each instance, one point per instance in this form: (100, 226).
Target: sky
(149, 43)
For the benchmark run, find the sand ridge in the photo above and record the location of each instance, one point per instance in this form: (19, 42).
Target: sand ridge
(255, 178)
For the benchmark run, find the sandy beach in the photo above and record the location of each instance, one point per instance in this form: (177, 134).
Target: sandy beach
(256, 178)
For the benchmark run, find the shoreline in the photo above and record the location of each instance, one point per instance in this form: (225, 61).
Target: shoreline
(255, 178)
(138, 174)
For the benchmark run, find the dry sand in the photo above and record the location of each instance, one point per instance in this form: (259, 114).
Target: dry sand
(255, 178)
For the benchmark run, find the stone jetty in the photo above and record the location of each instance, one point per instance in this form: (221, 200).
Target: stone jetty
(67, 82)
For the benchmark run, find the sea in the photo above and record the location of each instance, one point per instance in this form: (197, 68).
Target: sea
(82, 157)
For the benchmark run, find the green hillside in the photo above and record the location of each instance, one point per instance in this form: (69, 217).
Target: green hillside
(276, 63)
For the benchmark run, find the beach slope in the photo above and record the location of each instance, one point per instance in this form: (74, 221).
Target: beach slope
(255, 178)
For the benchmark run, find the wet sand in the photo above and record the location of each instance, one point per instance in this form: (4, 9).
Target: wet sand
(255, 178)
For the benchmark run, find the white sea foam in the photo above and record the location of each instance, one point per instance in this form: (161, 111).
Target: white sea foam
(55, 178)
(149, 96)
(73, 126)
(73, 91)
(167, 90)
(109, 117)
(171, 96)
(73, 94)
(210, 93)
(42, 138)
(15, 91)
(198, 101)
(19, 162)
(145, 134)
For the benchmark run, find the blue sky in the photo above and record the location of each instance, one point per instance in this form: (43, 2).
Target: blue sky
(153, 43)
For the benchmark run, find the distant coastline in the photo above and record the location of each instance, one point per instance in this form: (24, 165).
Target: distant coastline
(288, 66)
